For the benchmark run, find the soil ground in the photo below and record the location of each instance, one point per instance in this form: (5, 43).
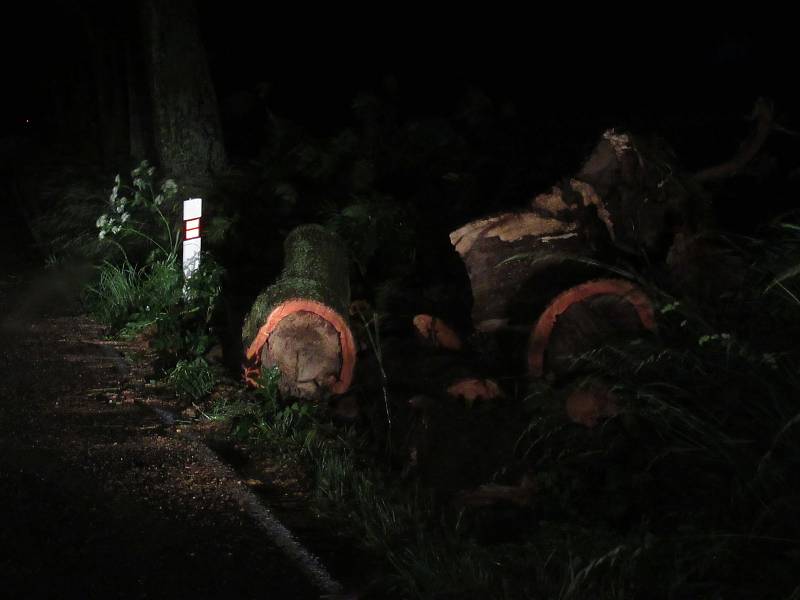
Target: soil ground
(98, 497)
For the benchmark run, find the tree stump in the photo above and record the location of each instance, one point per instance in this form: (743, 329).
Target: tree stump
(299, 324)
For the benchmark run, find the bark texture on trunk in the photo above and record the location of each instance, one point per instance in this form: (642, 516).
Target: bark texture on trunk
(188, 134)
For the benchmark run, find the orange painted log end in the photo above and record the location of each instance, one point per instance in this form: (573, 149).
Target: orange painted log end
(437, 333)
(621, 288)
(472, 389)
(252, 366)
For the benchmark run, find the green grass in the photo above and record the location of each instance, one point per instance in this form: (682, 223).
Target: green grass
(399, 524)
(192, 379)
(130, 297)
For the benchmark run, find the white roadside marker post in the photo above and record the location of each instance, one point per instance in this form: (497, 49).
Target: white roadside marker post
(192, 211)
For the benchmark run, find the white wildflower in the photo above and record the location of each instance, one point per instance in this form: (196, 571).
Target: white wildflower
(115, 229)
(102, 221)
(102, 234)
(125, 217)
(169, 187)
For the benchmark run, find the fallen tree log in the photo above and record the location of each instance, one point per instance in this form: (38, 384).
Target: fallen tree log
(299, 323)
(627, 199)
(645, 197)
(507, 254)
(583, 318)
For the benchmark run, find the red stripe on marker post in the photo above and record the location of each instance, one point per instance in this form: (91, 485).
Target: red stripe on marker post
(191, 229)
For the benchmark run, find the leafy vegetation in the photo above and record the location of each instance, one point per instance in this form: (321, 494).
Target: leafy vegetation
(141, 289)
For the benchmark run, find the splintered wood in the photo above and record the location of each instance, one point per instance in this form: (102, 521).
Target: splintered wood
(517, 261)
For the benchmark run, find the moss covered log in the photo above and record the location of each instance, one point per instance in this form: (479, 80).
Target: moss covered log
(299, 323)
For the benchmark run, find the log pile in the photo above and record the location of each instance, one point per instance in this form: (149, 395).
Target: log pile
(540, 280)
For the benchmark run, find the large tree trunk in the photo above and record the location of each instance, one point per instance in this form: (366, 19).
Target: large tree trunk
(299, 324)
(188, 134)
(103, 32)
(139, 121)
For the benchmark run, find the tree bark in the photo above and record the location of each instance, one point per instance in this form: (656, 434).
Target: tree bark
(103, 32)
(299, 324)
(645, 198)
(188, 134)
(139, 121)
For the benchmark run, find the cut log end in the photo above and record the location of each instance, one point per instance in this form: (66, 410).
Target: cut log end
(436, 333)
(583, 317)
(472, 389)
(311, 345)
(306, 350)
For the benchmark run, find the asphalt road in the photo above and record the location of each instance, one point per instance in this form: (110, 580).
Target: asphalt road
(103, 500)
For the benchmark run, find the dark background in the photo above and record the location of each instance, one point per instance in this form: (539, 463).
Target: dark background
(669, 79)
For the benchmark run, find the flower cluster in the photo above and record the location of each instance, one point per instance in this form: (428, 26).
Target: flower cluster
(124, 199)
